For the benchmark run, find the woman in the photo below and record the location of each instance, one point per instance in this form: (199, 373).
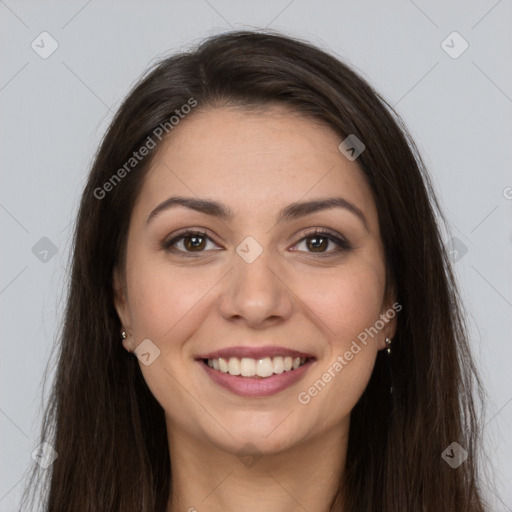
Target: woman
(261, 314)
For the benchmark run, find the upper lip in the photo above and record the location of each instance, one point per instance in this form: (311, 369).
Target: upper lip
(254, 352)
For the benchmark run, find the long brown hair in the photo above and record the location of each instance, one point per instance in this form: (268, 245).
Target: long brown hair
(101, 418)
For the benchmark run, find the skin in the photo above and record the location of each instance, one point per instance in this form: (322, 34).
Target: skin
(256, 163)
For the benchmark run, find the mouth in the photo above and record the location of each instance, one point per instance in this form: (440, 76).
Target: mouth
(262, 368)
(257, 371)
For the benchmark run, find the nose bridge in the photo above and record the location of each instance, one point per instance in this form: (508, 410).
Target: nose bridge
(254, 291)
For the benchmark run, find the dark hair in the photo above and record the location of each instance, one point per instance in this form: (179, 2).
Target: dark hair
(101, 418)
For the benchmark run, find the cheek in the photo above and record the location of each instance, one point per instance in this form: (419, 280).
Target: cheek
(347, 300)
(161, 297)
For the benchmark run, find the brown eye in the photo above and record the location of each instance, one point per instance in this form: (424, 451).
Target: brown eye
(188, 242)
(317, 243)
(194, 243)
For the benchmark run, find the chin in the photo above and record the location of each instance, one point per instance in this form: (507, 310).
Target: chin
(270, 434)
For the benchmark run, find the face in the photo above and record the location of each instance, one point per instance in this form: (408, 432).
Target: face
(258, 288)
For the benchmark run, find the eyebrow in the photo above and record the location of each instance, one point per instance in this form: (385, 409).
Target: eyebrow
(290, 212)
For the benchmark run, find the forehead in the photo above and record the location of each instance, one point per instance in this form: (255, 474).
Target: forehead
(252, 160)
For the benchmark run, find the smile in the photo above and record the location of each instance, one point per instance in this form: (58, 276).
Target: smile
(256, 371)
(262, 368)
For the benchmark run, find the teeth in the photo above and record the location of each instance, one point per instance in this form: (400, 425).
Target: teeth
(223, 365)
(247, 367)
(234, 366)
(264, 367)
(278, 365)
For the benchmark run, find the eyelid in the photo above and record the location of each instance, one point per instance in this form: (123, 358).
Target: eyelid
(323, 231)
(183, 233)
(342, 243)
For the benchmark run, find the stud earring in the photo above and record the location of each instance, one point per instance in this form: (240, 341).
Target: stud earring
(388, 350)
(128, 345)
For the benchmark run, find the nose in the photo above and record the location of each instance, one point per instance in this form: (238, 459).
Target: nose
(256, 293)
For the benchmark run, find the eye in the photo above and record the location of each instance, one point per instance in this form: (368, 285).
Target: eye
(318, 242)
(195, 241)
(191, 241)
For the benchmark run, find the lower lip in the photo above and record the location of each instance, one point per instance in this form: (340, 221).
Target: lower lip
(250, 386)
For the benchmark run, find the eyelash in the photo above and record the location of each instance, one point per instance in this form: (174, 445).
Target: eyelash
(341, 242)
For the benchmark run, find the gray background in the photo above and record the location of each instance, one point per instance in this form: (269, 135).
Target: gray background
(55, 110)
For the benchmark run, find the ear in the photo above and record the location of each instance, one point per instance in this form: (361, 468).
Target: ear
(121, 305)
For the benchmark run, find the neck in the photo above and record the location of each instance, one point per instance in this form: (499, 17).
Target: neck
(206, 478)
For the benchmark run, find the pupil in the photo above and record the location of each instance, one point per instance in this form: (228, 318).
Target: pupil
(317, 245)
(194, 245)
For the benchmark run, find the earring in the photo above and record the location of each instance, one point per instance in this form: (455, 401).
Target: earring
(388, 350)
(129, 344)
